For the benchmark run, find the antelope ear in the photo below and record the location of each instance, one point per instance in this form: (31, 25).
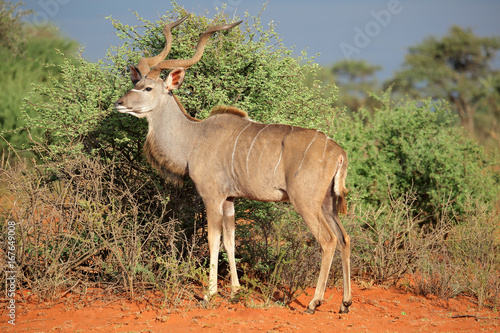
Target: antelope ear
(175, 79)
(135, 75)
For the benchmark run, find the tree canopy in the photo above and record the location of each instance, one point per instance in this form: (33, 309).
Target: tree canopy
(457, 67)
(356, 79)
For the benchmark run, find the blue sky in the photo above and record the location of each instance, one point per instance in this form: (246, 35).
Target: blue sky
(379, 31)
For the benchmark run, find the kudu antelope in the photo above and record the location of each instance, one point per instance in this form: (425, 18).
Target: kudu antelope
(230, 156)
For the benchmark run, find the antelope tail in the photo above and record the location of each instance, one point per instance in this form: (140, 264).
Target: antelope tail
(339, 185)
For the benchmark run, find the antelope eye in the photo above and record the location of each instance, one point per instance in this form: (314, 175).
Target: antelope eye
(148, 89)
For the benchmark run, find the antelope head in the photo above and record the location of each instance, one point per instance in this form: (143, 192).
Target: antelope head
(150, 91)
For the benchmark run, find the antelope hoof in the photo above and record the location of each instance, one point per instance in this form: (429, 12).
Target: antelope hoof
(311, 308)
(344, 307)
(310, 311)
(202, 301)
(208, 298)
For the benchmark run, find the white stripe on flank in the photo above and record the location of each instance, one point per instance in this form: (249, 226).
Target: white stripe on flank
(324, 150)
(305, 153)
(251, 146)
(281, 153)
(234, 149)
(279, 160)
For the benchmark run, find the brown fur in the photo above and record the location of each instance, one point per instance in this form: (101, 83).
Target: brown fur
(223, 109)
(162, 163)
(341, 203)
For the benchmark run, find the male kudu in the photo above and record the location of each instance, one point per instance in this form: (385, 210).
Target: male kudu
(230, 156)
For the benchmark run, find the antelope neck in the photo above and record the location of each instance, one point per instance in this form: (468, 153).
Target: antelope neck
(171, 136)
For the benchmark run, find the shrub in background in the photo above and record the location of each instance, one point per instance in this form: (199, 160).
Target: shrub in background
(415, 146)
(416, 182)
(388, 241)
(40, 54)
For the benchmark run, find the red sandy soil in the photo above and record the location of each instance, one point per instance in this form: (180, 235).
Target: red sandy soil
(375, 309)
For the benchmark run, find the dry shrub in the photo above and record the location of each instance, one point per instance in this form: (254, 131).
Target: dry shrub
(387, 242)
(84, 224)
(468, 262)
(437, 276)
(459, 254)
(278, 252)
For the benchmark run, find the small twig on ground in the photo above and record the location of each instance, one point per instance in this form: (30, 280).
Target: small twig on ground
(472, 316)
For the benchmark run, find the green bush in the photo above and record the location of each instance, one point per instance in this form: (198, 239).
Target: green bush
(415, 146)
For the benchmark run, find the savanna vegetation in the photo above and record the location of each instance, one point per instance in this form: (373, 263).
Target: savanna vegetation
(90, 211)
